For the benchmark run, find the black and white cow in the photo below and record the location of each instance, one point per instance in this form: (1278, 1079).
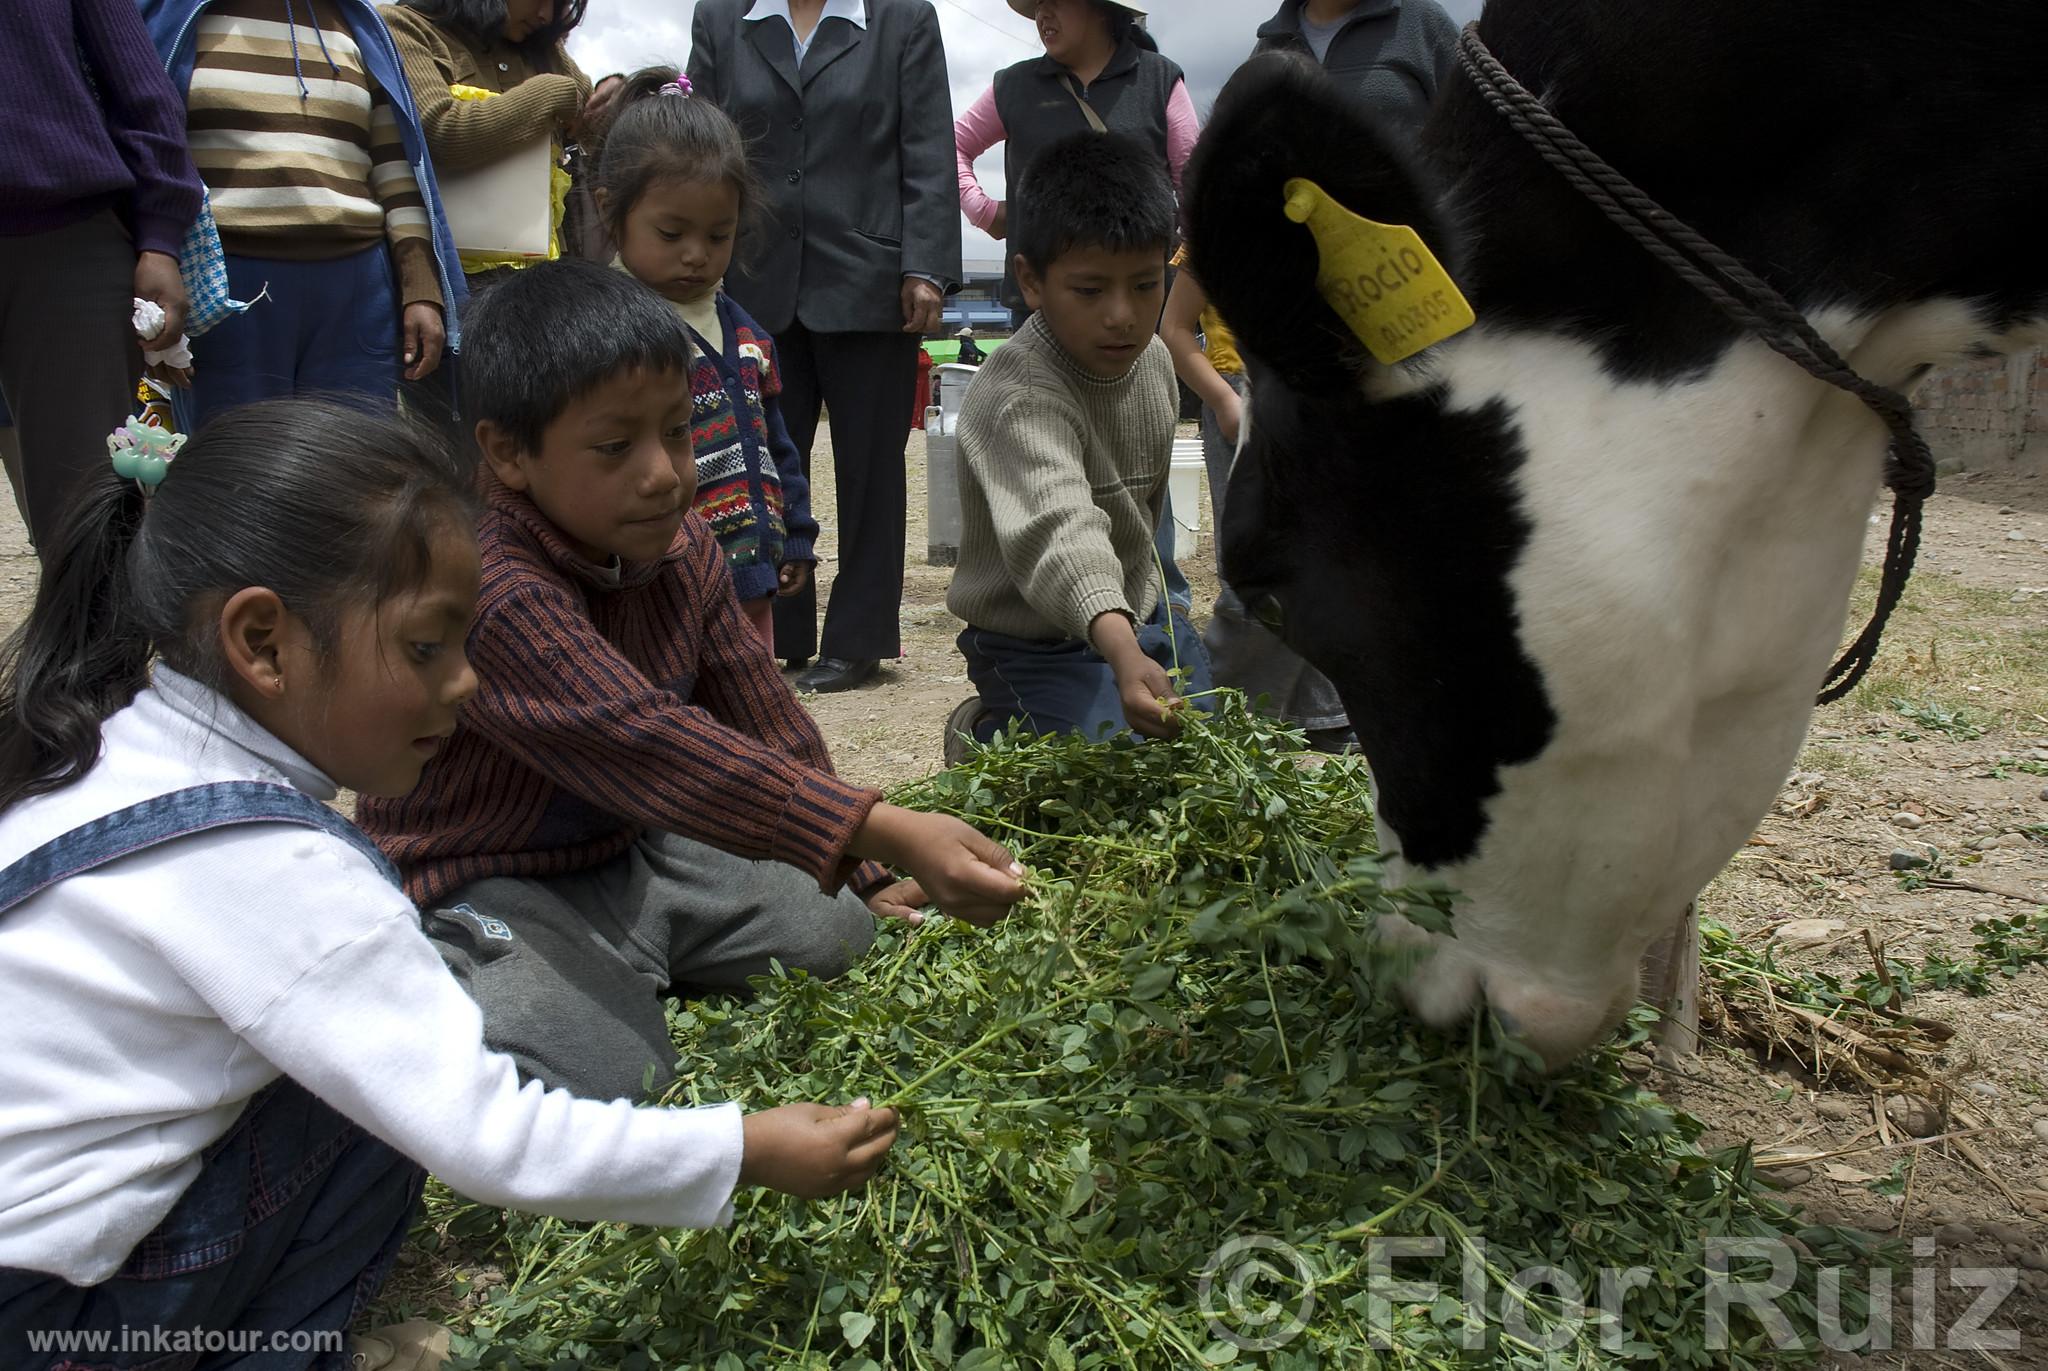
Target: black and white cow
(1578, 571)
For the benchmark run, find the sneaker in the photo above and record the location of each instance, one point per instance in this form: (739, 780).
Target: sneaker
(960, 730)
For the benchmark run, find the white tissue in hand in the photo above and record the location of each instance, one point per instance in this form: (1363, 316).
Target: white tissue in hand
(148, 319)
(178, 356)
(149, 322)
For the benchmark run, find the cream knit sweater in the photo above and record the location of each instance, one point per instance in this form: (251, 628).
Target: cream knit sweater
(1062, 476)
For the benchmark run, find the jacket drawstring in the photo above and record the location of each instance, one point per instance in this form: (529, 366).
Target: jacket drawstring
(292, 23)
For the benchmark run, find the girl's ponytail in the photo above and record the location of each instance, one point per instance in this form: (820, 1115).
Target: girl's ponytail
(82, 654)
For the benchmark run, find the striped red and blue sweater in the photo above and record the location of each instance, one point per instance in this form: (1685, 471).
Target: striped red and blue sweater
(606, 707)
(750, 479)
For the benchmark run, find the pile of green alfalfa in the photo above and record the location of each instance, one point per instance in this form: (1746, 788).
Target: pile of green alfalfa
(1166, 1115)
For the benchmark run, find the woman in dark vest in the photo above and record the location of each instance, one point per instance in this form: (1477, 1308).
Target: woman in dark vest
(1100, 70)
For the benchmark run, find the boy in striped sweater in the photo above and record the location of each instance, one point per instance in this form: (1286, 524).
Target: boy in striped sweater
(634, 803)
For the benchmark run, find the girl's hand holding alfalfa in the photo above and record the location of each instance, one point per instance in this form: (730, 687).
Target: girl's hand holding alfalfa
(815, 1151)
(963, 871)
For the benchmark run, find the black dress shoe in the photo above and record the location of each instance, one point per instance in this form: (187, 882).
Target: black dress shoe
(795, 663)
(835, 673)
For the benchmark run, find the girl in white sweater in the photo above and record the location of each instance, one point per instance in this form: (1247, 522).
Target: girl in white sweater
(228, 1049)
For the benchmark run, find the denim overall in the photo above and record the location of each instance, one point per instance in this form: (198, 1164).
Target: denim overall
(296, 1214)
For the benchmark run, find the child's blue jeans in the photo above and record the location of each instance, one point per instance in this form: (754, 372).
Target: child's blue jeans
(332, 328)
(296, 1214)
(270, 1254)
(1065, 686)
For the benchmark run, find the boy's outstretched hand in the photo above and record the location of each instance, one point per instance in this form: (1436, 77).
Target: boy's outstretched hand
(1141, 683)
(1149, 702)
(966, 873)
(814, 1151)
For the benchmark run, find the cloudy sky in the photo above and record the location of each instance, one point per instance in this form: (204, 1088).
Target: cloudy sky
(1207, 37)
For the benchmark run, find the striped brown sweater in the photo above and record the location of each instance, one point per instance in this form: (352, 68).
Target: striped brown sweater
(606, 708)
(299, 151)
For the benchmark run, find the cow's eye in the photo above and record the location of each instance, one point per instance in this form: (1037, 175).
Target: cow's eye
(1267, 609)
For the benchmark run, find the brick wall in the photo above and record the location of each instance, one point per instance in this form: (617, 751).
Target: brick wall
(1988, 415)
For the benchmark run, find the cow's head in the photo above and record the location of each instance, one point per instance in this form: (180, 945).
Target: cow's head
(1563, 570)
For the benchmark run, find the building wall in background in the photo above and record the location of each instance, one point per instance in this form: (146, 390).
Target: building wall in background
(1990, 415)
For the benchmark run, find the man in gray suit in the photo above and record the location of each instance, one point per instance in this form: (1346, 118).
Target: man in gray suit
(849, 125)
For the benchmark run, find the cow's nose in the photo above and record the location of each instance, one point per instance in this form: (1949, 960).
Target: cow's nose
(1556, 1024)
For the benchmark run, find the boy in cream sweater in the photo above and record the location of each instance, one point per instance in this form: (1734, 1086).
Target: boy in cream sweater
(1065, 441)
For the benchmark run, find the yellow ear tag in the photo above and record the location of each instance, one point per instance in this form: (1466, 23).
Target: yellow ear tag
(1385, 283)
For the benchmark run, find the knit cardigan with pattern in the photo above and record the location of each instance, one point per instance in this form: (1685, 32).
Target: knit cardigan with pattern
(750, 478)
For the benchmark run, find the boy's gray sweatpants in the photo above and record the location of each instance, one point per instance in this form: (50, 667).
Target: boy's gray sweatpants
(573, 972)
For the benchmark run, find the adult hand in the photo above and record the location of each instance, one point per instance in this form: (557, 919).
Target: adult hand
(923, 303)
(424, 337)
(181, 377)
(814, 1151)
(599, 108)
(792, 577)
(1001, 227)
(904, 900)
(157, 280)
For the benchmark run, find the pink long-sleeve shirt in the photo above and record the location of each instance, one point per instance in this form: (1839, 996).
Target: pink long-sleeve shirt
(981, 128)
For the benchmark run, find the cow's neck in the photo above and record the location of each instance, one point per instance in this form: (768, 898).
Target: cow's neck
(1796, 170)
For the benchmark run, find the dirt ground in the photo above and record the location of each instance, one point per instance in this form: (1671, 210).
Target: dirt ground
(1941, 753)
(1960, 767)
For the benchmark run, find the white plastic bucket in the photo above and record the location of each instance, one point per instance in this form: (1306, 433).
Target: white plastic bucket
(941, 491)
(1184, 488)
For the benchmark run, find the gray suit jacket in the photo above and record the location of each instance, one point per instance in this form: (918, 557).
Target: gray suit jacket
(855, 156)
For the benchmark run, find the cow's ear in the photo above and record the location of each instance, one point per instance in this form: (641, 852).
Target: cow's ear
(1281, 119)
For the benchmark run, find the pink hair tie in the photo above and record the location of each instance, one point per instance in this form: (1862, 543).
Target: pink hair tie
(679, 86)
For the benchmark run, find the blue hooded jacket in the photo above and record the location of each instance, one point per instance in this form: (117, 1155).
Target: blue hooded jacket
(171, 24)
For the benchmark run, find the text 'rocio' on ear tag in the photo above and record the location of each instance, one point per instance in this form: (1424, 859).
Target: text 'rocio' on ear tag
(1380, 278)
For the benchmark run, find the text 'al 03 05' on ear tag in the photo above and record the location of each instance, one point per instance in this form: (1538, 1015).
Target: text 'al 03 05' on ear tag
(1380, 278)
